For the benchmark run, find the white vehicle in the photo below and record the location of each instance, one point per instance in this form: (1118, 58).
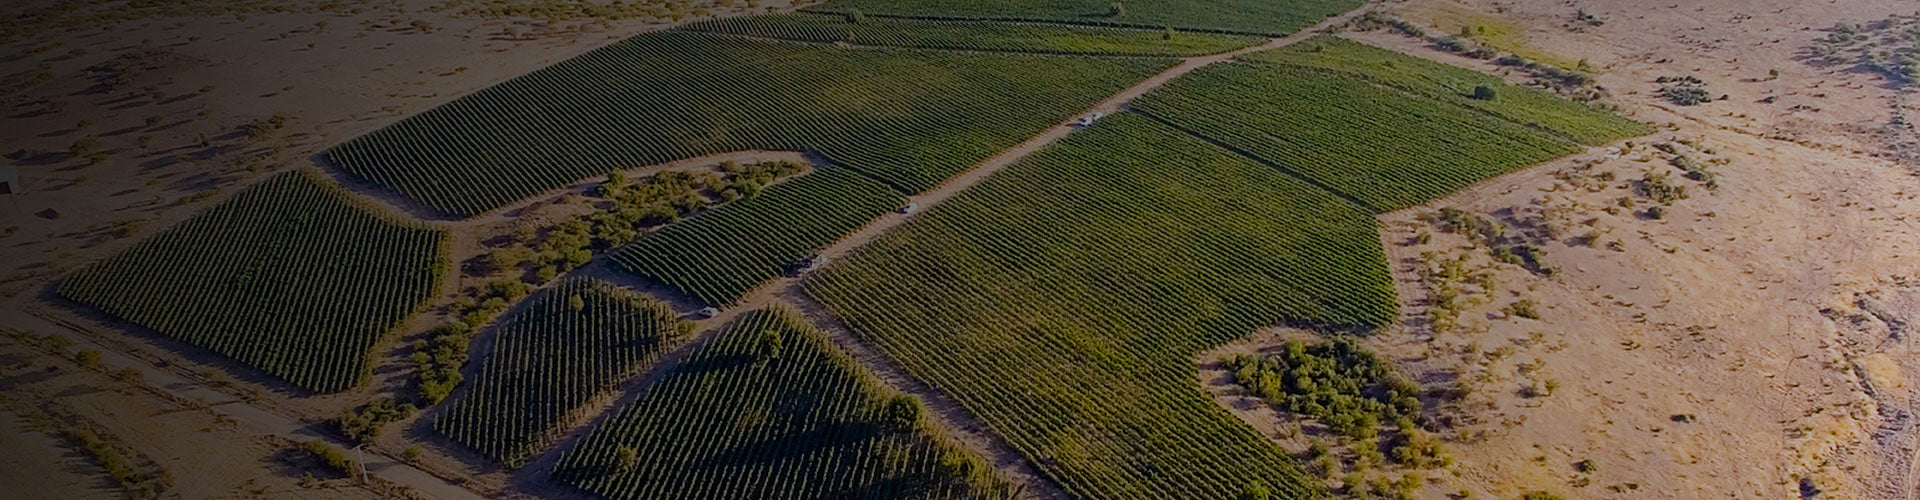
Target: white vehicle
(908, 209)
(707, 312)
(1087, 121)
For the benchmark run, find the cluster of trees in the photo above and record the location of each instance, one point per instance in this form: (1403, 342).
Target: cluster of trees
(1337, 382)
(637, 205)
(666, 197)
(1349, 390)
(363, 424)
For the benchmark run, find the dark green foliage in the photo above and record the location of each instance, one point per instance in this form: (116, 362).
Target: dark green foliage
(1659, 187)
(720, 255)
(1384, 148)
(1483, 92)
(330, 456)
(1684, 90)
(646, 203)
(438, 360)
(1063, 299)
(1261, 17)
(809, 424)
(1453, 84)
(977, 35)
(1337, 382)
(287, 276)
(909, 117)
(550, 359)
(363, 424)
(904, 411)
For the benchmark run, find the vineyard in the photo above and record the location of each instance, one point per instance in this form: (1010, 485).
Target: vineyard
(1523, 105)
(718, 256)
(1260, 17)
(910, 118)
(288, 276)
(770, 409)
(1063, 300)
(568, 346)
(976, 35)
(1385, 148)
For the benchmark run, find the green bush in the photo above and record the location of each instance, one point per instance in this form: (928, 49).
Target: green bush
(329, 455)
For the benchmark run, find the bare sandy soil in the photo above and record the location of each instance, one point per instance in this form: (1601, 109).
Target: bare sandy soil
(202, 454)
(1755, 336)
(1752, 343)
(40, 467)
(125, 121)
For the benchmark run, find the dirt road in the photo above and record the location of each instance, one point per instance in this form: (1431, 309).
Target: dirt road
(783, 290)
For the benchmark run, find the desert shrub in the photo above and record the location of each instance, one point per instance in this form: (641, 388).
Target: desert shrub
(1684, 90)
(1660, 188)
(88, 359)
(1525, 309)
(329, 455)
(363, 424)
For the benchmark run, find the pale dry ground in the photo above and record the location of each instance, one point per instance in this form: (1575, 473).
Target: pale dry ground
(206, 455)
(172, 128)
(1751, 338)
(40, 467)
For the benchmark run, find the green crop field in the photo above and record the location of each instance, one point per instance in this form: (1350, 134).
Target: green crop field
(1383, 147)
(977, 35)
(288, 276)
(568, 346)
(718, 256)
(1265, 17)
(770, 409)
(911, 118)
(1063, 301)
(1524, 105)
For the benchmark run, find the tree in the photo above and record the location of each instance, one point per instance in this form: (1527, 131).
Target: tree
(1116, 9)
(903, 411)
(769, 344)
(628, 458)
(576, 304)
(1256, 491)
(1483, 92)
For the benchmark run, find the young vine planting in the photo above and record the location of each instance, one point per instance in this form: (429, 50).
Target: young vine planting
(1523, 105)
(770, 409)
(1260, 17)
(1063, 301)
(908, 117)
(569, 345)
(288, 276)
(1382, 147)
(977, 35)
(720, 255)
